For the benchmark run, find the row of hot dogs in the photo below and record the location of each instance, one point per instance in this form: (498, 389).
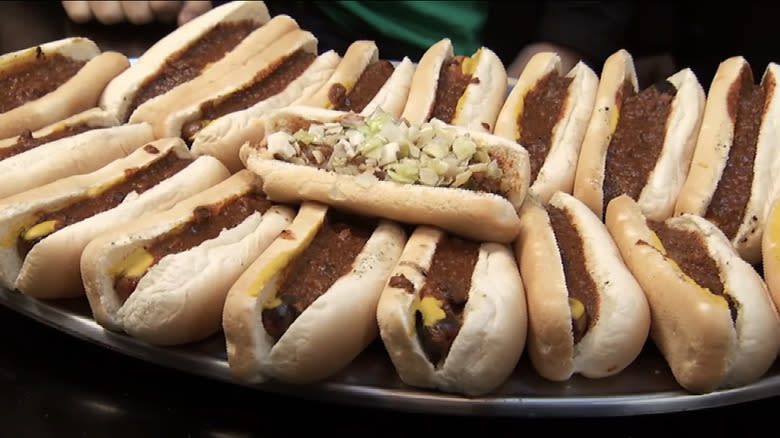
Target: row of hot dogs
(305, 204)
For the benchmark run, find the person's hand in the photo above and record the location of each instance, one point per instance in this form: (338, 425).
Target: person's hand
(135, 12)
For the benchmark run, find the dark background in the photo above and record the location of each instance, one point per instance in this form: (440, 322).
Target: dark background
(56, 385)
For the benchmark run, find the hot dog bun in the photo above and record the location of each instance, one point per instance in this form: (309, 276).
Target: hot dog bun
(187, 48)
(52, 81)
(399, 195)
(53, 237)
(327, 333)
(712, 317)
(471, 99)
(586, 312)
(735, 164)
(223, 137)
(179, 298)
(225, 82)
(78, 154)
(491, 328)
(639, 142)
(547, 112)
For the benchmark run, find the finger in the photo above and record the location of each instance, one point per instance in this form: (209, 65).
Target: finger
(109, 12)
(165, 11)
(77, 11)
(137, 12)
(192, 9)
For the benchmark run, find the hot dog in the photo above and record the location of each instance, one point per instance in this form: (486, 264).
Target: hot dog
(770, 251)
(307, 306)
(434, 173)
(453, 313)
(71, 155)
(712, 317)
(587, 314)
(547, 112)
(735, 164)
(50, 82)
(462, 90)
(163, 278)
(228, 86)
(361, 82)
(639, 142)
(44, 230)
(184, 53)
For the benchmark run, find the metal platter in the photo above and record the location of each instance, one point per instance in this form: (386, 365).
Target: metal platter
(645, 387)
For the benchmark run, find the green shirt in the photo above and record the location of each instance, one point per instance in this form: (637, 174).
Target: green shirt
(418, 23)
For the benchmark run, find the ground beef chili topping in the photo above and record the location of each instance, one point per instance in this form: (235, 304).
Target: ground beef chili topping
(689, 251)
(26, 141)
(329, 257)
(136, 180)
(26, 82)
(206, 223)
(452, 84)
(367, 86)
(580, 284)
(267, 83)
(746, 104)
(637, 141)
(542, 108)
(449, 281)
(187, 63)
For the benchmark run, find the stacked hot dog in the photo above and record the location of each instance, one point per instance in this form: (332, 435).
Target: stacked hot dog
(235, 181)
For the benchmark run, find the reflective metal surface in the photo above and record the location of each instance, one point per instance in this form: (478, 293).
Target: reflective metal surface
(646, 387)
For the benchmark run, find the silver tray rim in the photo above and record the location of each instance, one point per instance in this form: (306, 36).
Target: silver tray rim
(405, 399)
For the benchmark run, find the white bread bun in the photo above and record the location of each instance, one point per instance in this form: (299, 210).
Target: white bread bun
(169, 112)
(558, 158)
(180, 298)
(658, 194)
(223, 137)
(327, 334)
(82, 153)
(692, 324)
(391, 97)
(51, 268)
(770, 251)
(709, 172)
(358, 56)
(78, 93)
(617, 314)
(90, 119)
(492, 334)
(455, 209)
(120, 93)
(478, 107)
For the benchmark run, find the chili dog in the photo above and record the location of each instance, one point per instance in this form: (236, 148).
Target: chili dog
(462, 90)
(434, 173)
(373, 84)
(226, 87)
(70, 155)
(587, 314)
(185, 53)
(163, 278)
(639, 142)
(712, 317)
(50, 82)
(44, 230)
(307, 306)
(735, 164)
(770, 251)
(547, 112)
(453, 313)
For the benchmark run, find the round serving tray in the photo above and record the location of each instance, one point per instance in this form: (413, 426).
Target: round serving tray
(645, 387)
